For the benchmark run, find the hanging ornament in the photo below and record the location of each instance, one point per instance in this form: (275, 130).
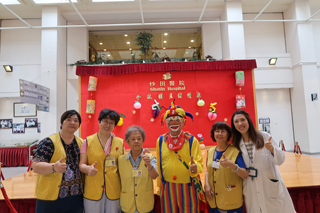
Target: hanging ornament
(155, 109)
(200, 137)
(240, 101)
(212, 114)
(91, 106)
(120, 123)
(239, 78)
(93, 81)
(137, 104)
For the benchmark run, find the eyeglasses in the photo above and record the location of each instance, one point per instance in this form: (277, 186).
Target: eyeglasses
(223, 132)
(177, 119)
(104, 121)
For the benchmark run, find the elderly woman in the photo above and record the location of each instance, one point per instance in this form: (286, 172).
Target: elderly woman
(137, 169)
(225, 171)
(265, 190)
(98, 160)
(59, 185)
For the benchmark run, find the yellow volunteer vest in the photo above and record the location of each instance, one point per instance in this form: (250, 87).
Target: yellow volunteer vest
(48, 186)
(106, 176)
(225, 184)
(136, 193)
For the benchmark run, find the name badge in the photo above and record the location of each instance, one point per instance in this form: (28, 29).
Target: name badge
(110, 161)
(137, 172)
(252, 172)
(215, 164)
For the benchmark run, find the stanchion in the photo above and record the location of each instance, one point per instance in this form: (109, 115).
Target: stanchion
(281, 145)
(297, 149)
(30, 163)
(4, 193)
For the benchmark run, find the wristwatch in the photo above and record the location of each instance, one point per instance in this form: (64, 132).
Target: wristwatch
(53, 168)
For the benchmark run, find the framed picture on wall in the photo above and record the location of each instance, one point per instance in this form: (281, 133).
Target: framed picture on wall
(39, 127)
(5, 123)
(24, 110)
(18, 128)
(31, 123)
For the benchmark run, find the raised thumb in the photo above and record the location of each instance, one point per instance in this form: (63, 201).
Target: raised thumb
(224, 157)
(61, 160)
(94, 165)
(192, 162)
(144, 152)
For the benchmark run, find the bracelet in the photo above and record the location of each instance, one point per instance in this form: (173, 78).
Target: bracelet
(53, 168)
(236, 168)
(149, 170)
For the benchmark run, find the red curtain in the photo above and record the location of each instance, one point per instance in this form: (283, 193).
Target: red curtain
(14, 156)
(166, 67)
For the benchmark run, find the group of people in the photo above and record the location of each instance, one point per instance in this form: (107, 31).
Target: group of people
(95, 175)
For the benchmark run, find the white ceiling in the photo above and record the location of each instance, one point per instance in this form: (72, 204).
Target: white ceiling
(146, 14)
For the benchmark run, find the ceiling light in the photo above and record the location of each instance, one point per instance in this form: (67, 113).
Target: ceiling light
(8, 68)
(130, 48)
(110, 0)
(164, 41)
(109, 55)
(128, 42)
(125, 35)
(187, 52)
(192, 40)
(165, 34)
(104, 49)
(189, 47)
(52, 1)
(273, 61)
(164, 48)
(9, 2)
(101, 43)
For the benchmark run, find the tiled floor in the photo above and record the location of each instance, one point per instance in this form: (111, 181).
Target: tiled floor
(9, 172)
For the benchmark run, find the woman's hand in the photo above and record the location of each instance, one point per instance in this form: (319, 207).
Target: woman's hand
(59, 166)
(225, 162)
(269, 145)
(208, 191)
(92, 170)
(146, 158)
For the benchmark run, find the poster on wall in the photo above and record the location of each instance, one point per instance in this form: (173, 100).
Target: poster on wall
(18, 128)
(24, 110)
(5, 123)
(31, 122)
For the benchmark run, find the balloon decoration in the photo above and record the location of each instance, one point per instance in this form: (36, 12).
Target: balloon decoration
(120, 122)
(93, 81)
(137, 104)
(240, 99)
(155, 109)
(212, 114)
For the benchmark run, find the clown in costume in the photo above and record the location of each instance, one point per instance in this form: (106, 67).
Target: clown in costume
(180, 163)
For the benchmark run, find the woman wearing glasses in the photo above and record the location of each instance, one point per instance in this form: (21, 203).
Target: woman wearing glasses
(225, 171)
(98, 160)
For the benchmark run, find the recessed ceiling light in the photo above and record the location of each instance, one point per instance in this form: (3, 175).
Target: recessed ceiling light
(125, 35)
(52, 1)
(164, 48)
(104, 49)
(192, 40)
(164, 41)
(128, 42)
(165, 34)
(108, 55)
(130, 48)
(110, 0)
(189, 47)
(101, 43)
(9, 2)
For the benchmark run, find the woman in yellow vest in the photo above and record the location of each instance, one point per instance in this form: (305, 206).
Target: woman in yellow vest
(99, 160)
(137, 169)
(59, 185)
(225, 171)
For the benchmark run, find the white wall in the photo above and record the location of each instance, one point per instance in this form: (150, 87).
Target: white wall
(275, 104)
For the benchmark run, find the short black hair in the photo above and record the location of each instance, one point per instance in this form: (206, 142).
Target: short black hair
(109, 113)
(220, 125)
(68, 114)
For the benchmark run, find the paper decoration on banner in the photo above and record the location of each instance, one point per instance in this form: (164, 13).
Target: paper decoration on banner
(239, 78)
(91, 106)
(93, 81)
(200, 102)
(155, 109)
(240, 101)
(212, 114)
(120, 122)
(200, 138)
(137, 104)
